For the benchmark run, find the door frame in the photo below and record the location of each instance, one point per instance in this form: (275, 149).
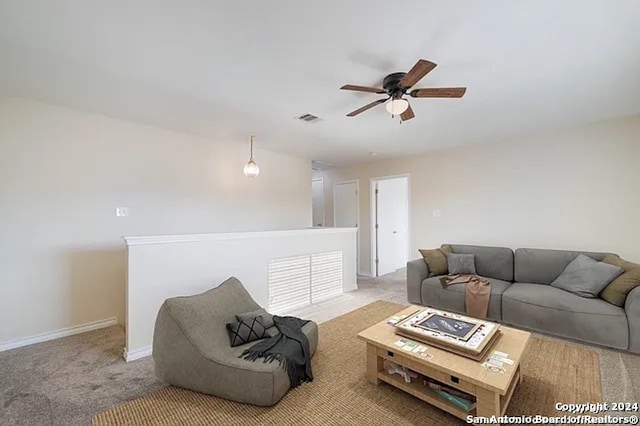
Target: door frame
(324, 209)
(372, 209)
(357, 182)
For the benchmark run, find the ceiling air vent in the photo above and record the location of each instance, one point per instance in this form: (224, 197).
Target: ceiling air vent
(309, 118)
(317, 166)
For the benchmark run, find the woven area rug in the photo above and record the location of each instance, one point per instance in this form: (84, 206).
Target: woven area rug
(553, 372)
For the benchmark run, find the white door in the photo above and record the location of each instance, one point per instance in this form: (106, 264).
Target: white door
(391, 206)
(317, 193)
(345, 205)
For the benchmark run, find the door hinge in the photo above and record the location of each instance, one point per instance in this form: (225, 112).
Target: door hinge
(377, 260)
(376, 226)
(376, 191)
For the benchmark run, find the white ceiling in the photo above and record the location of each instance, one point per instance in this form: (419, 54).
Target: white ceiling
(226, 69)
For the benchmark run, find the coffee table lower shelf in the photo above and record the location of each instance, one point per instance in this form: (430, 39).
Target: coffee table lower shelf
(424, 393)
(488, 403)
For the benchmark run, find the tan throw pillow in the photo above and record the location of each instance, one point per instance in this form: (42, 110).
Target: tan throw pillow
(618, 289)
(436, 260)
(612, 259)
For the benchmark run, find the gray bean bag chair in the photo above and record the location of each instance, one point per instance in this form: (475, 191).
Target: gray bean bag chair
(191, 348)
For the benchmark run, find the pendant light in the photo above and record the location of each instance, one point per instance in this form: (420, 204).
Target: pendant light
(251, 169)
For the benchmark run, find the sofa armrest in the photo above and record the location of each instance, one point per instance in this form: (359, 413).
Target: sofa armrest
(417, 271)
(632, 309)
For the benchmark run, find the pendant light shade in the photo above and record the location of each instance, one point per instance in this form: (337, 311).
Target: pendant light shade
(251, 169)
(397, 106)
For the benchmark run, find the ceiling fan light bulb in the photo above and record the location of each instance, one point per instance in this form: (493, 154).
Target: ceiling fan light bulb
(251, 169)
(397, 106)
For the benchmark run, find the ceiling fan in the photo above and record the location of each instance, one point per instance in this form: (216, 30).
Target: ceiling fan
(396, 85)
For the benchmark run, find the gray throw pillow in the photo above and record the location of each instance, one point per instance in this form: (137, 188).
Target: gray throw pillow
(586, 277)
(246, 331)
(267, 318)
(461, 263)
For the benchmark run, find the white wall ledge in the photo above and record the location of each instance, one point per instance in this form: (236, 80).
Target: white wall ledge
(189, 238)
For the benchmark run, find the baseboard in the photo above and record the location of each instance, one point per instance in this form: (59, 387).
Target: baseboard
(137, 354)
(365, 274)
(56, 334)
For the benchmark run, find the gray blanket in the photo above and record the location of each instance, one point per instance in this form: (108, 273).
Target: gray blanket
(290, 348)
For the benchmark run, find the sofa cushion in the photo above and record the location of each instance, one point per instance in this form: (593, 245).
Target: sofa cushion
(492, 262)
(452, 297)
(552, 310)
(461, 263)
(616, 292)
(586, 277)
(436, 260)
(541, 266)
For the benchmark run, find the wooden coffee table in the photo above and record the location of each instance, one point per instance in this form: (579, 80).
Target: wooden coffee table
(493, 390)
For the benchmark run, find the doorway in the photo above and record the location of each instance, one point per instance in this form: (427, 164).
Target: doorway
(389, 224)
(317, 201)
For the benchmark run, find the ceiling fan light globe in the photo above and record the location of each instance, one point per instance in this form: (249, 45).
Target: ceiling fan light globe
(397, 106)
(251, 169)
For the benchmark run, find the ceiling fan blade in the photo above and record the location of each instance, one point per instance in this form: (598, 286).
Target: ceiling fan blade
(419, 70)
(443, 92)
(407, 115)
(362, 88)
(366, 107)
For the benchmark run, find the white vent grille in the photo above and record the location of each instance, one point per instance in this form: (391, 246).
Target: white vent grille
(300, 280)
(326, 275)
(289, 283)
(308, 117)
(317, 165)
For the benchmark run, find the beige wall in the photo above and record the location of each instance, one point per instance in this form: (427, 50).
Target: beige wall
(62, 173)
(575, 189)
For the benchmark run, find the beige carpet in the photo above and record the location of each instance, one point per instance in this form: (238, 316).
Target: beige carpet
(340, 394)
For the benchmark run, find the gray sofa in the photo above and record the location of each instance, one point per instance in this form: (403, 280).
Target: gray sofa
(191, 347)
(521, 295)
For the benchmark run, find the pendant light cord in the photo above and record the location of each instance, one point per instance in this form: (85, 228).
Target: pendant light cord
(251, 155)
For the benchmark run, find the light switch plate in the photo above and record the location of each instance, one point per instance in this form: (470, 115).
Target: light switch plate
(122, 211)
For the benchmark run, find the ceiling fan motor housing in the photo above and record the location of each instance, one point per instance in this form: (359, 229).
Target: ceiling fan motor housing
(391, 84)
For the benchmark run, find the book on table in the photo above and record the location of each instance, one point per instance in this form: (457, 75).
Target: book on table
(457, 397)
